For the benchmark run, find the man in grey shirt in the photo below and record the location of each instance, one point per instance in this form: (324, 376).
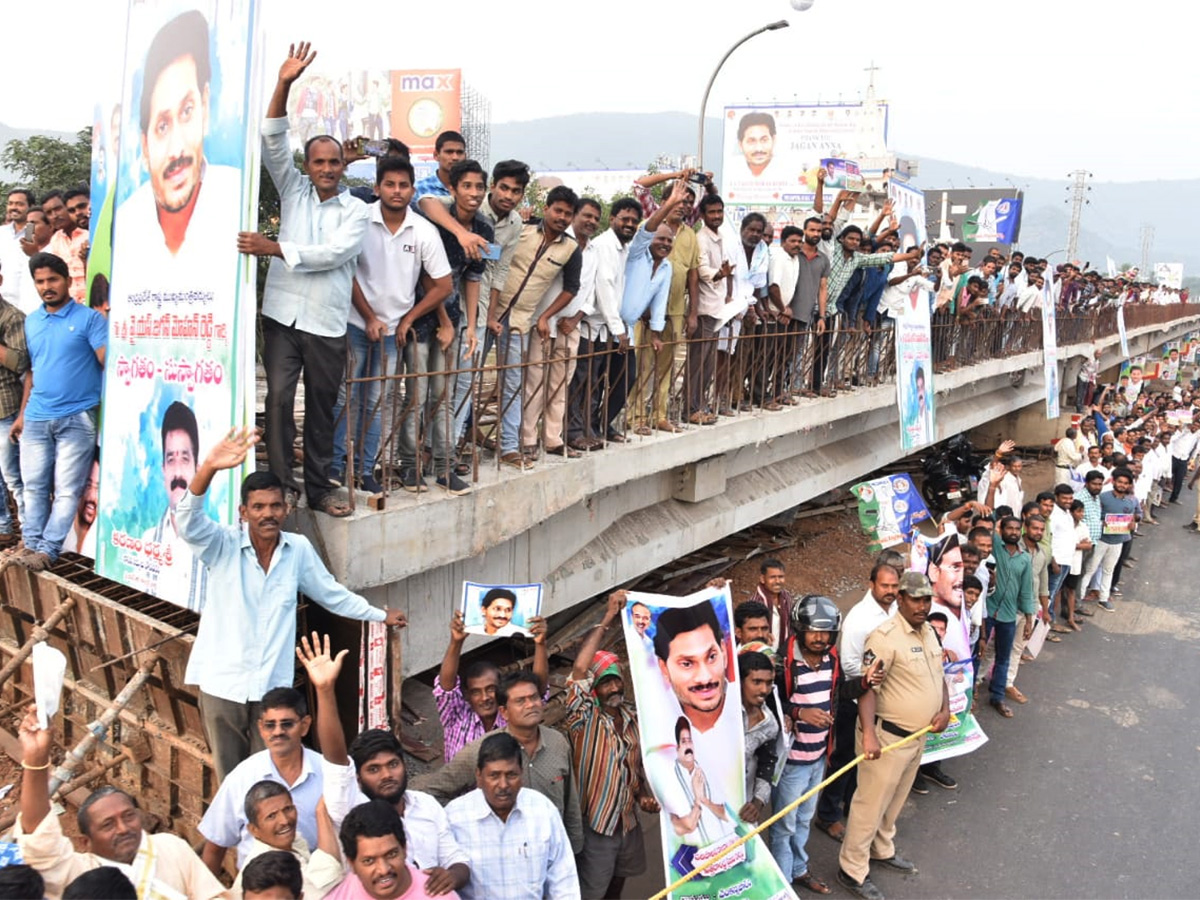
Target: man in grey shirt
(806, 311)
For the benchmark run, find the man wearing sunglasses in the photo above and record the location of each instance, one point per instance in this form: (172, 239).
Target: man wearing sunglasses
(283, 722)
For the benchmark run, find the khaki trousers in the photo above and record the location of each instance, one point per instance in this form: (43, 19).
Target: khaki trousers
(883, 786)
(654, 375)
(552, 363)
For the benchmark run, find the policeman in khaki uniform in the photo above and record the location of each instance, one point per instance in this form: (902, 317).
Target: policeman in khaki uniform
(911, 695)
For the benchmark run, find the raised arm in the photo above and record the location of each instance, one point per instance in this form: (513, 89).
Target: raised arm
(298, 59)
(35, 771)
(591, 643)
(323, 671)
(448, 673)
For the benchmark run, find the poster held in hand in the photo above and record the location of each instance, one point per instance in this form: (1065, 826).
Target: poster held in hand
(693, 743)
(500, 610)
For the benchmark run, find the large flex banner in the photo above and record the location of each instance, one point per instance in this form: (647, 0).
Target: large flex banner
(689, 705)
(180, 368)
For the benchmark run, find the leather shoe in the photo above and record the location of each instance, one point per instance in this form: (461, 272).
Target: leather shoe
(899, 863)
(1014, 693)
(865, 888)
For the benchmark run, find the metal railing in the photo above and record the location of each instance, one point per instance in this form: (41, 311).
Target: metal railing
(436, 413)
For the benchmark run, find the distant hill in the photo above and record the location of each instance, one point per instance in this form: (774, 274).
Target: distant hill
(1110, 226)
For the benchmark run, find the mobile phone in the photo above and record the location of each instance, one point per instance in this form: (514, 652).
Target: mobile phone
(698, 178)
(29, 232)
(492, 252)
(374, 148)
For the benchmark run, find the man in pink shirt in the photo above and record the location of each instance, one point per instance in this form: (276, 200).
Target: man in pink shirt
(373, 843)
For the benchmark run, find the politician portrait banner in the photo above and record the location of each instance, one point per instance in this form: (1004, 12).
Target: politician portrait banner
(1050, 351)
(180, 370)
(771, 153)
(914, 372)
(689, 702)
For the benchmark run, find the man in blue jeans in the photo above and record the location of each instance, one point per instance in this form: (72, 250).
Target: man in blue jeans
(57, 423)
(812, 681)
(1010, 601)
(14, 363)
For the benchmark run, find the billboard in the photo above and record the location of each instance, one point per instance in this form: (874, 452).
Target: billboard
(1169, 275)
(771, 152)
(411, 105)
(180, 367)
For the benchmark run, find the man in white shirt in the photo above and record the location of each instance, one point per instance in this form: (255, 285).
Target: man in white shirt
(374, 769)
(603, 341)
(396, 248)
(514, 837)
(1062, 546)
(1094, 455)
(1183, 450)
(306, 301)
(717, 267)
(283, 722)
(14, 262)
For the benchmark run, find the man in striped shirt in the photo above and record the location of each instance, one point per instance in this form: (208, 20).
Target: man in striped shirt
(811, 674)
(608, 765)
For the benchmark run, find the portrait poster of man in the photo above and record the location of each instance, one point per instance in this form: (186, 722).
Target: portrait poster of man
(500, 610)
(690, 716)
(770, 152)
(181, 323)
(915, 396)
(1050, 352)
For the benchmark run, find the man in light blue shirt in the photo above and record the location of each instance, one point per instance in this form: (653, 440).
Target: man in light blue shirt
(306, 301)
(244, 646)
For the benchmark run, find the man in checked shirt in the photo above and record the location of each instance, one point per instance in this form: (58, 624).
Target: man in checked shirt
(467, 706)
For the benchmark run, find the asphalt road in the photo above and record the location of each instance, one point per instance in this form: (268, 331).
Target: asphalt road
(1091, 790)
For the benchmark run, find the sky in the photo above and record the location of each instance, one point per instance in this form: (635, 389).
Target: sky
(1031, 87)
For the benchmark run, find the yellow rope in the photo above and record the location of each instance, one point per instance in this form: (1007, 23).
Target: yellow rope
(783, 812)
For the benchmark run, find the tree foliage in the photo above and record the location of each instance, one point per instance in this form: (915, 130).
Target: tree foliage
(44, 163)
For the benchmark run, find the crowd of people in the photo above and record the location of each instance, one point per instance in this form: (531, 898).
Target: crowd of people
(591, 332)
(522, 809)
(430, 317)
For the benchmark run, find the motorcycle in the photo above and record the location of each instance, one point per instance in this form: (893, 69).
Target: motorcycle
(952, 473)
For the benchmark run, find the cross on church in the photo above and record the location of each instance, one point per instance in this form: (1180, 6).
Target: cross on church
(872, 69)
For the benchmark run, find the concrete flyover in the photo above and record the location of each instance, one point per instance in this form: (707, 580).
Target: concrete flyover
(586, 525)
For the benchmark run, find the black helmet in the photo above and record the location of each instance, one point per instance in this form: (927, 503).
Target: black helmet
(814, 612)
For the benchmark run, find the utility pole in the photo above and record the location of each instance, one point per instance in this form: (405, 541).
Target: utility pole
(1147, 245)
(1079, 189)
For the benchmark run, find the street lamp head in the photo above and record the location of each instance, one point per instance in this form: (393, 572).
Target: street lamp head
(782, 23)
(801, 5)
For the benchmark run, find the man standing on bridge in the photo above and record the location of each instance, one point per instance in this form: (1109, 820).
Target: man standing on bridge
(248, 628)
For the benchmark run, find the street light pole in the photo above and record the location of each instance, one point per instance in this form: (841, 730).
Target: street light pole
(774, 26)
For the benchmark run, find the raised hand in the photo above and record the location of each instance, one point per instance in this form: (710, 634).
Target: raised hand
(537, 628)
(323, 668)
(231, 451)
(35, 742)
(298, 59)
(458, 630)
